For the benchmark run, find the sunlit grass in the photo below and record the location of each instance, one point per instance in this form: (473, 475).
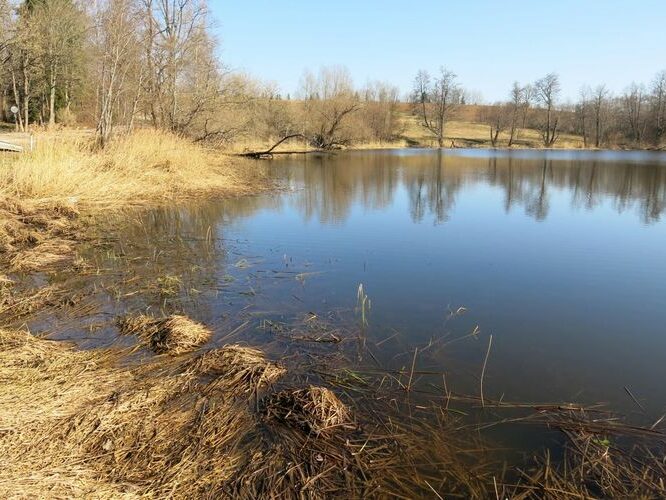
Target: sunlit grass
(148, 165)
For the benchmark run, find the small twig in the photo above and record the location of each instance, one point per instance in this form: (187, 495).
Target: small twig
(411, 374)
(635, 400)
(434, 490)
(483, 370)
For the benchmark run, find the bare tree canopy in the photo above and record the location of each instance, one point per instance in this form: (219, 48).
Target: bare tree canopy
(114, 65)
(547, 91)
(435, 99)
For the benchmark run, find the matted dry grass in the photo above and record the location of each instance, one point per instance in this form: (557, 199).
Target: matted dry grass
(314, 409)
(171, 335)
(78, 423)
(37, 236)
(601, 459)
(92, 424)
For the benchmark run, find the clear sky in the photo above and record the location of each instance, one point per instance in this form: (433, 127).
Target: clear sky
(488, 43)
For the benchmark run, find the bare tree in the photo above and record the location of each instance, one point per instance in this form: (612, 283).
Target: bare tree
(528, 99)
(517, 97)
(329, 102)
(583, 110)
(633, 114)
(658, 106)
(547, 90)
(599, 105)
(175, 37)
(435, 100)
(5, 57)
(117, 47)
(59, 27)
(380, 111)
(498, 117)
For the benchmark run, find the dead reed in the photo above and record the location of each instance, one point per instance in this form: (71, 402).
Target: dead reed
(602, 459)
(145, 167)
(314, 409)
(90, 423)
(171, 335)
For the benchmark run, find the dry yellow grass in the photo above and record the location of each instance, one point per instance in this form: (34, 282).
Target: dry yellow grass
(171, 335)
(315, 409)
(463, 133)
(146, 166)
(42, 192)
(81, 424)
(90, 424)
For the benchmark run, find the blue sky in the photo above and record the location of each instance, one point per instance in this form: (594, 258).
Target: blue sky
(489, 44)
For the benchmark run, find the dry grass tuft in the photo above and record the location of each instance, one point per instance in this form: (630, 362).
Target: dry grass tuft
(79, 423)
(315, 409)
(239, 365)
(171, 335)
(37, 236)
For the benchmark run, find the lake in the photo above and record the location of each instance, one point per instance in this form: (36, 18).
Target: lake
(559, 256)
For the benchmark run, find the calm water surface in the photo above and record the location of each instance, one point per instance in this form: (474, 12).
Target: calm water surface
(560, 256)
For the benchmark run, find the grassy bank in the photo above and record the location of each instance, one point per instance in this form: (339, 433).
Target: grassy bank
(146, 167)
(457, 134)
(48, 195)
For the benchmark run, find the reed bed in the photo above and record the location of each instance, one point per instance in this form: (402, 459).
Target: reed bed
(146, 166)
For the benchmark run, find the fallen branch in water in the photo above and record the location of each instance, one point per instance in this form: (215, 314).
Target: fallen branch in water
(270, 152)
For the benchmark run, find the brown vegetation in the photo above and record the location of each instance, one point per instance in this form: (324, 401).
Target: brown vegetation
(315, 409)
(83, 423)
(145, 167)
(599, 462)
(172, 335)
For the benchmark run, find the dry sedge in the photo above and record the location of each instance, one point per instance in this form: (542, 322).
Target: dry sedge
(596, 464)
(75, 424)
(171, 335)
(315, 409)
(242, 366)
(88, 424)
(37, 236)
(145, 167)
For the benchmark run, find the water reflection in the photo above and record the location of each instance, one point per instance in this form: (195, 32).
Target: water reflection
(332, 185)
(568, 299)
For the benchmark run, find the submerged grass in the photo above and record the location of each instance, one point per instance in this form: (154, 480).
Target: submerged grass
(227, 422)
(601, 460)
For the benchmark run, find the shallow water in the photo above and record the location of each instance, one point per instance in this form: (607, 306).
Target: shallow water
(558, 255)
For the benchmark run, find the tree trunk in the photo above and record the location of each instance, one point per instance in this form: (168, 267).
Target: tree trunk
(17, 100)
(52, 94)
(26, 97)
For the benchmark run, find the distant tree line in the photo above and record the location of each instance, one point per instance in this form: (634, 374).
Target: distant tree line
(634, 118)
(117, 64)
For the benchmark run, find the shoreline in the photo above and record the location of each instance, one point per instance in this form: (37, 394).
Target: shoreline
(171, 414)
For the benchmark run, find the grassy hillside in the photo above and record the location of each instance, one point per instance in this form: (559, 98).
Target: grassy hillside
(465, 131)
